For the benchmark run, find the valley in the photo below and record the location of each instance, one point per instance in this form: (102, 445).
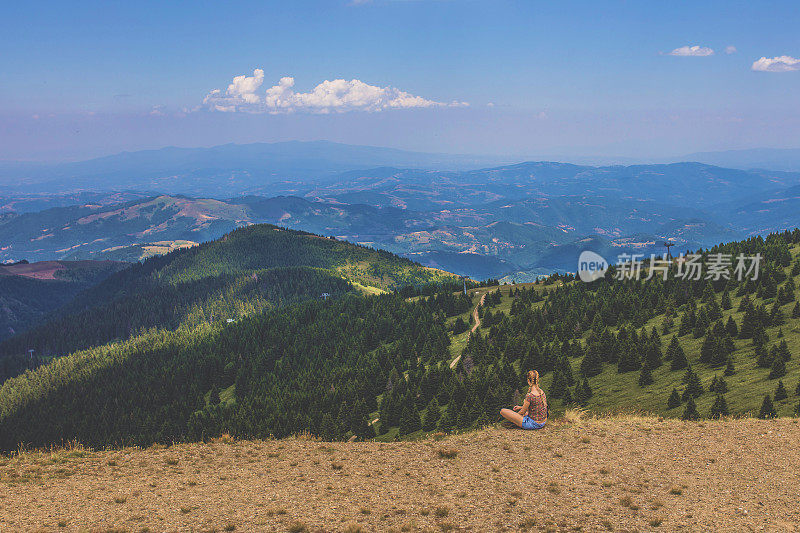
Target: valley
(515, 222)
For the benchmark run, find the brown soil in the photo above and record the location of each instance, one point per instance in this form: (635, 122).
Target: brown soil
(475, 313)
(621, 474)
(477, 320)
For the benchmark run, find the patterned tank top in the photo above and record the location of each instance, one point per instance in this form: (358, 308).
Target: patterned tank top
(537, 406)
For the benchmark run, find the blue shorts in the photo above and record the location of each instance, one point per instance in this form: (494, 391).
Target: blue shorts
(530, 423)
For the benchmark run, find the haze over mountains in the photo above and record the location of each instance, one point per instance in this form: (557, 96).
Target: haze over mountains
(521, 219)
(772, 158)
(223, 170)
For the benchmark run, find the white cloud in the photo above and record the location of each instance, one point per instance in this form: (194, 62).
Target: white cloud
(692, 51)
(776, 64)
(730, 49)
(329, 96)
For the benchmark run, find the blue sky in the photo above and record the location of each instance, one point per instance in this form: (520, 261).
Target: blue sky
(504, 77)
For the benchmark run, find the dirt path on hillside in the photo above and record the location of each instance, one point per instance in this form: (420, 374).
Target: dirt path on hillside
(633, 474)
(475, 327)
(475, 314)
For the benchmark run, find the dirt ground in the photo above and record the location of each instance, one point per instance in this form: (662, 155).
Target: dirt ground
(593, 475)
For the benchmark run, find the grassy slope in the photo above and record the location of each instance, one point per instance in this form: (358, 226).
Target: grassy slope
(615, 392)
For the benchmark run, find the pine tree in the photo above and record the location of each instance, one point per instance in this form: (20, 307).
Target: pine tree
(678, 356)
(694, 387)
(567, 398)
(628, 359)
(360, 422)
(780, 392)
(731, 328)
(763, 357)
(783, 351)
(714, 311)
(580, 399)
(708, 348)
(726, 300)
(730, 369)
(409, 420)
(459, 326)
(587, 390)
(750, 322)
(674, 399)
(327, 429)
(464, 419)
(213, 397)
(652, 355)
(722, 386)
(447, 422)
(778, 369)
(558, 386)
(687, 323)
(690, 413)
(592, 363)
(776, 315)
(645, 376)
(760, 336)
(432, 415)
(797, 390)
(796, 310)
(720, 407)
(767, 408)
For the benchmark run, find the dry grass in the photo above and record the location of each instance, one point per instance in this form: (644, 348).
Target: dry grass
(591, 474)
(447, 453)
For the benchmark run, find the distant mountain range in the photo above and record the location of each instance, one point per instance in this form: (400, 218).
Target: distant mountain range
(772, 158)
(274, 168)
(517, 220)
(529, 235)
(294, 167)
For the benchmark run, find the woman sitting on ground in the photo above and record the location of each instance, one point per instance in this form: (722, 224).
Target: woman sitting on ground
(532, 414)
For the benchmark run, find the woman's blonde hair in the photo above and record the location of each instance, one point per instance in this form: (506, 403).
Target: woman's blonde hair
(533, 378)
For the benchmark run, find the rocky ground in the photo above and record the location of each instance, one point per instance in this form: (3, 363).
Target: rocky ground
(620, 474)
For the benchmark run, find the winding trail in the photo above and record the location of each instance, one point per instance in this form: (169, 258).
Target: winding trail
(475, 314)
(475, 327)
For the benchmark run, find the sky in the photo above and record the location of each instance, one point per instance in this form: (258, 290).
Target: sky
(528, 78)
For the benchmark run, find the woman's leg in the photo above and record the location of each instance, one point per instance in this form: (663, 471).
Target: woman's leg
(512, 416)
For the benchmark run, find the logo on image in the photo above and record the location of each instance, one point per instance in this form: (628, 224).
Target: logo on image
(591, 266)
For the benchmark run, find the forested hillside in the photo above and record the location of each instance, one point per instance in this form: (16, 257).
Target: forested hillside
(385, 367)
(30, 291)
(318, 366)
(248, 270)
